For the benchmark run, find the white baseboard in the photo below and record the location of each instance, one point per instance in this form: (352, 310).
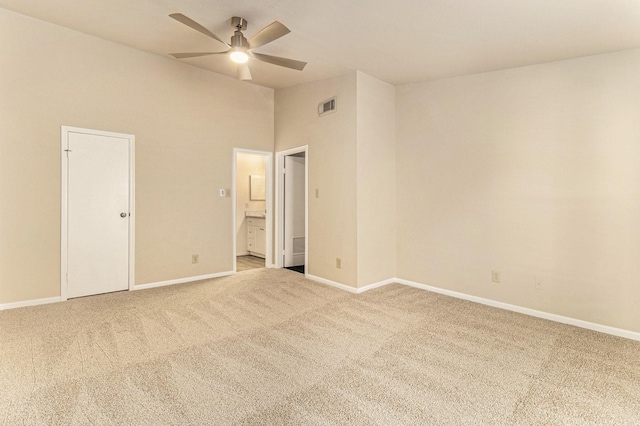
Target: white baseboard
(527, 311)
(331, 283)
(46, 301)
(182, 280)
(349, 288)
(377, 285)
(26, 303)
(632, 335)
(627, 334)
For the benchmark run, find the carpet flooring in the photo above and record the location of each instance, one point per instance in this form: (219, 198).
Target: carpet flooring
(267, 346)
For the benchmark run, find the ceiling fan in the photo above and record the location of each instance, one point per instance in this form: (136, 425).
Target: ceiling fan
(240, 48)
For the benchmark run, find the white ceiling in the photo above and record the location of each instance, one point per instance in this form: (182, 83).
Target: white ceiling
(398, 41)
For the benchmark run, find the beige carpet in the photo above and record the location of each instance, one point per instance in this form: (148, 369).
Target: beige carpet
(269, 347)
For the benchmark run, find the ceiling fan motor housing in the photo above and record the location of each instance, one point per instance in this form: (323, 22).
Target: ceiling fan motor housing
(238, 40)
(239, 23)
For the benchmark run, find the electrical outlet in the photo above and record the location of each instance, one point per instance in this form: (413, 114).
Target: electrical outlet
(338, 263)
(195, 258)
(537, 283)
(496, 276)
(223, 193)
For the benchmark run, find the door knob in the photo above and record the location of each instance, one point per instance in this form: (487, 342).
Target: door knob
(123, 214)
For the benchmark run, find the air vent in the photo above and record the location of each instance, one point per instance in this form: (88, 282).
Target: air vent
(327, 107)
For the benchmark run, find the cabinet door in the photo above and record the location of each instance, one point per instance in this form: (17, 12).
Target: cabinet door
(261, 240)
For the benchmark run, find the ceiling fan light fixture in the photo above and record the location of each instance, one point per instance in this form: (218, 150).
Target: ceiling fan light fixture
(239, 57)
(240, 49)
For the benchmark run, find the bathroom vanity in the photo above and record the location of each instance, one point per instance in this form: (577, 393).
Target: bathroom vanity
(256, 233)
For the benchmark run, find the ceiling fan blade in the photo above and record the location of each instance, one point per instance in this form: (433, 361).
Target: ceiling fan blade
(276, 60)
(271, 32)
(243, 72)
(193, 24)
(194, 54)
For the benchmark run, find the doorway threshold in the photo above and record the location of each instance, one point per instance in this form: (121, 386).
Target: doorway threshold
(299, 268)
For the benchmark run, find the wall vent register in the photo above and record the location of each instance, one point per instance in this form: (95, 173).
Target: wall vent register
(327, 107)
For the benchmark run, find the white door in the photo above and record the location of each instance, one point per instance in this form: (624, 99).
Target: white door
(98, 213)
(294, 210)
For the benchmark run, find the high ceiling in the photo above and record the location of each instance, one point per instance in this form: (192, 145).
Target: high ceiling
(398, 41)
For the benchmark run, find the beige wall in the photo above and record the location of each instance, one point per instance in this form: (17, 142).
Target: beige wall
(186, 122)
(352, 164)
(533, 172)
(331, 168)
(376, 168)
(246, 165)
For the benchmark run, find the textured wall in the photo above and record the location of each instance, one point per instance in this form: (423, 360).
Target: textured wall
(186, 122)
(332, 169)
(376, 166)
(532, 172)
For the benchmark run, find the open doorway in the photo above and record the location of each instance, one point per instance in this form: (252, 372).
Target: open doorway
(292, 234)
(252, 206)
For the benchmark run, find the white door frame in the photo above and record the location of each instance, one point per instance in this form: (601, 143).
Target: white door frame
(280, 205)
(268, 258)
(64, 144)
